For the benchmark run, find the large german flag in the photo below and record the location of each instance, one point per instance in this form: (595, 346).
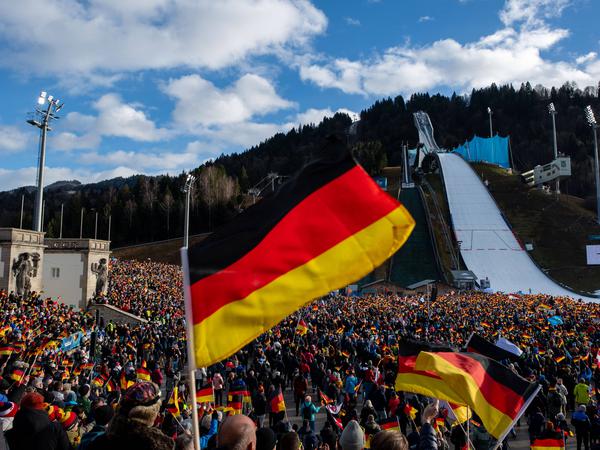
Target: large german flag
(548, 444)
(328, 226)
(498, 395)
(423, 382)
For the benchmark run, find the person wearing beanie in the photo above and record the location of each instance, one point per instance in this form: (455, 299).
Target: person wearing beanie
(132, 426)
(70, 424)
(265, 439)
(8, 410)
(103, 414)
(353, 437)
(32, 428)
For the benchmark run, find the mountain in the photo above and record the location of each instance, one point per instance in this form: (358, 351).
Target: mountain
(144, 209)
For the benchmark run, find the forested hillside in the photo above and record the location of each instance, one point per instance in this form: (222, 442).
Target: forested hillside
(151, 208)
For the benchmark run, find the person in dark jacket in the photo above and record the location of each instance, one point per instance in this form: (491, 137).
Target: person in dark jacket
(427, 436)
(581, 422)
(132, 426)
(32, 429)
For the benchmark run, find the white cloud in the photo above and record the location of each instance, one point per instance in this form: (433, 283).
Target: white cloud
(531, 12)
(12, 139)
(352, 22)
(162, 161)
(509, 55)
(99, 38)
(25, 176)
(115, 118)
(202, 104)
(425, 19)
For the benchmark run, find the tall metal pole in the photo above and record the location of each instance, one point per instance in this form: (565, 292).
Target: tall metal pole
(96, 227)
(491, 129)
(39, 195)
(186, 224)
(597, 173)
(552, 111)
(81, 225)
(62, 207)
(43, 215)
(22, 203)
(109, 223)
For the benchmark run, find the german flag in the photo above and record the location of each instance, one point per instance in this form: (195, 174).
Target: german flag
(485, 324)
(545, 306)
(236, 407)
(205, 394)
(389, 424)
(100, 380)
(324, 399)
(278, 403)
(17, 375)
(111, 385)
(142, 374)
(301, 328)
(548, 444)
(241, 395)
(173, 403)
(410, 411)
(426, 383)
(6, 350)
(559, 359)
(327, 227)
(87, 366)
(494, 392)
(478, 344)
(124, 383)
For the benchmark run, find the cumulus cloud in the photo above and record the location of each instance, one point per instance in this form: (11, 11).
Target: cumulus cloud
(509, 55)
(315, 116)
(26, 176)
(201, 103)
(115, 118)
(102, 37)
(166, 161)
(12, 139)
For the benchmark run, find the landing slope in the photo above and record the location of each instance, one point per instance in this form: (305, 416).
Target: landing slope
(489, 248)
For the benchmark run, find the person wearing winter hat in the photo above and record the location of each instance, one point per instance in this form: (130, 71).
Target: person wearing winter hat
(32, 428)
(70, 423)
(7, 415)
(265, 439)
(132, 426)
(353, 437)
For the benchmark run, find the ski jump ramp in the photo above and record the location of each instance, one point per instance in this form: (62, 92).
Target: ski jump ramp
(488, 246)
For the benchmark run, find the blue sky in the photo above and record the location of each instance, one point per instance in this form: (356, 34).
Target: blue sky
(160, 86)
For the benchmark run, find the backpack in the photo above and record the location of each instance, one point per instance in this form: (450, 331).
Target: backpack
(556, 400)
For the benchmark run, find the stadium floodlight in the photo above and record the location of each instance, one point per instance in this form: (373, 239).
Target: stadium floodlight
(591, 120)
(552, 112)
(41, 119)
(187, 189)
(490, 112)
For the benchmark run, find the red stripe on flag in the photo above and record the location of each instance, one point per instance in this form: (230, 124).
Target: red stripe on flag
(344, 196)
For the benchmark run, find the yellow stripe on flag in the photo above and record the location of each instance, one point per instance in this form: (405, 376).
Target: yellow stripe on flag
(344, 263)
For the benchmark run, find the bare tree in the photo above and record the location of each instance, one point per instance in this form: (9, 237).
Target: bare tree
(166, 204)
(215, 188)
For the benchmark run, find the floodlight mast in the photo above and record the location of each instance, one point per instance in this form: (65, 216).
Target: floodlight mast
(490, 112)
(591, 120)
(41, 120)
(187, 189)
(552, 112)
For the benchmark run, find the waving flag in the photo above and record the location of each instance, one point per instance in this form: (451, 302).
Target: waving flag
(301, 328)
(478, 344)
(324, 229)
(494, 392)
(548, 444)
(278, 403)
(205, 394)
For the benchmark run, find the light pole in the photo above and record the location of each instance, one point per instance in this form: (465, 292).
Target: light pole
(489, 110)
(591, 119)
(41, 120)
(187, 189)
(96, 226)
(81, 224)
(62, 207)
(22, 203)
(552, 112)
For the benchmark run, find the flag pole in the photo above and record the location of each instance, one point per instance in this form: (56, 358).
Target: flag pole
(520, 413)
(191, 363)
(469, 443)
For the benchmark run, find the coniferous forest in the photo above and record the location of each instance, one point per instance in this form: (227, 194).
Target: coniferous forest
(144, 208)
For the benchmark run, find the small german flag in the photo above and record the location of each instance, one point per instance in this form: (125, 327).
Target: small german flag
(236, 407)
(205, 394)
(526, 336)
(278, 403)
(124, 383)
(6, 350)
(173, 403)
(301, 328)
(345, 354)
(142, 374)
(241, 395)
(87, 366)
(324, 399)
(111, 385)
(559, 359)
(545, 306)
(389, 424)
(325, 228)
(410, 411)
(548, 444)
(17, 375)
(485, 324)
(493, 391)
(100, 380)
